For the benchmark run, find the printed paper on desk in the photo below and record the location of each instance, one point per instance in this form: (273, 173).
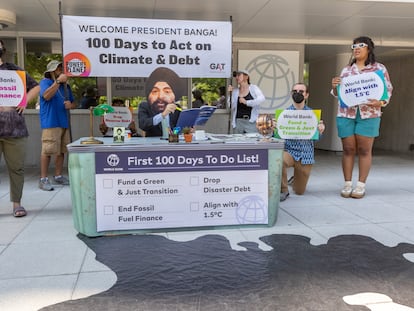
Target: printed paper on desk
(297, 124)
(195, 116)
(358, 89)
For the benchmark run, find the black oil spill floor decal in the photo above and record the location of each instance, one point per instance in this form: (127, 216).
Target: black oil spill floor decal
(206, 274)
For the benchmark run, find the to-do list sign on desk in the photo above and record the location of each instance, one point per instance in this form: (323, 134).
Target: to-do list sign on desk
(181, 188)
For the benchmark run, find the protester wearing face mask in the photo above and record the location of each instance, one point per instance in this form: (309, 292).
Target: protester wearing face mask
(298, 153)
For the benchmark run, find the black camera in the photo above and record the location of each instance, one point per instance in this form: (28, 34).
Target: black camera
(234, 74)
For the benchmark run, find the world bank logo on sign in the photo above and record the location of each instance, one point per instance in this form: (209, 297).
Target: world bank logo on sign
(112, 160)
(252, 210)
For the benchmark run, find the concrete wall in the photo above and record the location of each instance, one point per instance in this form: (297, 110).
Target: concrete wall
(321, 73)
(397, 130)
(219, 123)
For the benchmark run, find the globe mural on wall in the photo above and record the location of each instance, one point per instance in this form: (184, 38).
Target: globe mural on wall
(274, 73)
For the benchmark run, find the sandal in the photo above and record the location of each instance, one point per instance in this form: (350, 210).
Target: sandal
(19, 211)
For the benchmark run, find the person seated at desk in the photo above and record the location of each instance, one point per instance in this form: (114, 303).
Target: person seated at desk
(160, 112)
(107, 131)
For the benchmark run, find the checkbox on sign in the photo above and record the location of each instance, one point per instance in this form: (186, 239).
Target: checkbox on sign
(108, 183)
(194, 181)
(108, 210)
(194, 206)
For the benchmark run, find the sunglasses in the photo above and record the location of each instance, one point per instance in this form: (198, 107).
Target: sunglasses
(298, 91)
(358, 45)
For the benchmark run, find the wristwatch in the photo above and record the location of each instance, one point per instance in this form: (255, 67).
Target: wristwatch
(58, 82)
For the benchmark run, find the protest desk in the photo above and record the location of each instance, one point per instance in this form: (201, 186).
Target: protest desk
(149, 185)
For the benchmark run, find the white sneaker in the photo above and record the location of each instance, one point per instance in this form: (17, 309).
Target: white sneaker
(347, 189)
(359, 191)
(45, 185)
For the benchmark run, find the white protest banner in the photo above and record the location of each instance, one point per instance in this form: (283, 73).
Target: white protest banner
(13, 88)
(358, 89)
(297, 124)
(126, 47)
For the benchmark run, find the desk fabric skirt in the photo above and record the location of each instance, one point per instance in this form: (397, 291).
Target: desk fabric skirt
(82, 172)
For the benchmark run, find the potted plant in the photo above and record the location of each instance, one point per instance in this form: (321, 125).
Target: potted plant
(188, 135)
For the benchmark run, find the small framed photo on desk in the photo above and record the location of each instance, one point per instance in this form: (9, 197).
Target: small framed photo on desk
(119, 134)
